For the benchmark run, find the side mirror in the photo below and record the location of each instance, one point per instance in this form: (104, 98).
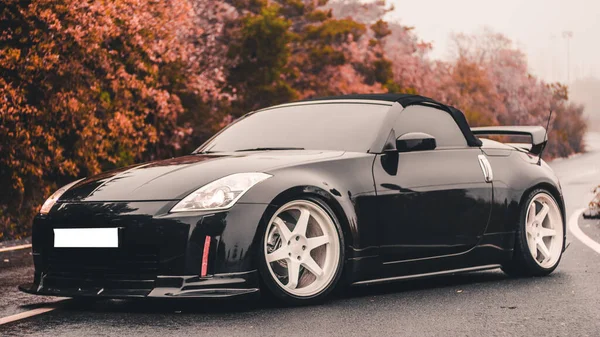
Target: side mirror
(415, 141)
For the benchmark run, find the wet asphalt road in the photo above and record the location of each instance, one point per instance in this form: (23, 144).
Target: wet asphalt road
(567, 303)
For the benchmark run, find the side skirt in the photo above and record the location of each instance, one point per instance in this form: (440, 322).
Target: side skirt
(426, 275)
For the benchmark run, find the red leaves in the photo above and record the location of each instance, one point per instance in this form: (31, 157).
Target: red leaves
(86, 86)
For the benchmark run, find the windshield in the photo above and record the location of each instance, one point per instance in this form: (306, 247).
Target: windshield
(339, 127)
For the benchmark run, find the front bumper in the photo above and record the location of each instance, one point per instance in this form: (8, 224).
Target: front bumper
(216, 286)
(159, 255)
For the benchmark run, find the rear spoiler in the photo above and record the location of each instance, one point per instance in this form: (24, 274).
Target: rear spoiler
(537, 134)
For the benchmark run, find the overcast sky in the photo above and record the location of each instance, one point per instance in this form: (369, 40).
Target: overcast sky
(536, 26)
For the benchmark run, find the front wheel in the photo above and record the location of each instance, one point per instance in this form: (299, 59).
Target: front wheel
(302, 253)
(540, 237)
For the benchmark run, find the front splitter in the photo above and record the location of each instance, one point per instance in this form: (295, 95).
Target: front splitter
(216, 286)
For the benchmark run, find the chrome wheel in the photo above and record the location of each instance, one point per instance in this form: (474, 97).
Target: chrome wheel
(544, 230)
(302, 248)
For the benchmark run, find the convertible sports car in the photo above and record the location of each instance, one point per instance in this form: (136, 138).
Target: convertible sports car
(299, 198)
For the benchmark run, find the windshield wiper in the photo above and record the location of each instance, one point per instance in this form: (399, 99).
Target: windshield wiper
(270, 149)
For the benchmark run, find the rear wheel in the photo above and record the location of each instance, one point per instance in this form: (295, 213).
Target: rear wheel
(302, 252)
(540, 237)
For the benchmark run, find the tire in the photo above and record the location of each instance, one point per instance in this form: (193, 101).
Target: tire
(311, 254)
(530, 258)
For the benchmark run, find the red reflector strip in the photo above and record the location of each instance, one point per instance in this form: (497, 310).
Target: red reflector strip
(204, 268)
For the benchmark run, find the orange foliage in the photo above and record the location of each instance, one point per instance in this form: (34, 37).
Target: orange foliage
(84, 87)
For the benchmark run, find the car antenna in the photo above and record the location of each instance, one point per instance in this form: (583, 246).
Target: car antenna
(545, 138)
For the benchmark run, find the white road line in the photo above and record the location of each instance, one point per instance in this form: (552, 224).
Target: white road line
(30, 313)
(579, 234)
(8, 249)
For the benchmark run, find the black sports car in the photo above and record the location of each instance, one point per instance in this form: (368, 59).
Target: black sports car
(299, 198)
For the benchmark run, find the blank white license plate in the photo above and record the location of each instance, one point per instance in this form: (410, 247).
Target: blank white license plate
(86, 237)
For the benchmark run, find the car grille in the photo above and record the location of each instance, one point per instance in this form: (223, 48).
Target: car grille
(104, 267)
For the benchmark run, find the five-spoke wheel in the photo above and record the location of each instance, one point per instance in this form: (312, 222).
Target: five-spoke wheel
(540, 237)
(302, 250)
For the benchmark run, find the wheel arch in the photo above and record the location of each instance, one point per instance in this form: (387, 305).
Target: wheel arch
(521, 263)
(335, 203)
(554, 192)
(310, 193)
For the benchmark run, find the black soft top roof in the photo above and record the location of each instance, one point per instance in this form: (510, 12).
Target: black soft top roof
(407, 100)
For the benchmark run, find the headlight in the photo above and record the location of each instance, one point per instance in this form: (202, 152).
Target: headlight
(47, 206)
(221, 193)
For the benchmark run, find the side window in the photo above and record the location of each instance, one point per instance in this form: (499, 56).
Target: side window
(438, 123)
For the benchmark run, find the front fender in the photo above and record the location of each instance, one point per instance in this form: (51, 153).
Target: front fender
(344, 184)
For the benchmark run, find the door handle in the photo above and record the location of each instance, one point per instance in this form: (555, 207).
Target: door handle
(486, 167)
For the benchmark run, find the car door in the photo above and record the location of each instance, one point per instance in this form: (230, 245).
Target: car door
(431, 202)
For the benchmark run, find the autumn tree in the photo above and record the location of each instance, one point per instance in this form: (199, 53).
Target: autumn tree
(518, 97)
(85, 87)
(260, 51)
(206, 105)
(292, 49)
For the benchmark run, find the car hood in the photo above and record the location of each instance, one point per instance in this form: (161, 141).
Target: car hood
(175, 178)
